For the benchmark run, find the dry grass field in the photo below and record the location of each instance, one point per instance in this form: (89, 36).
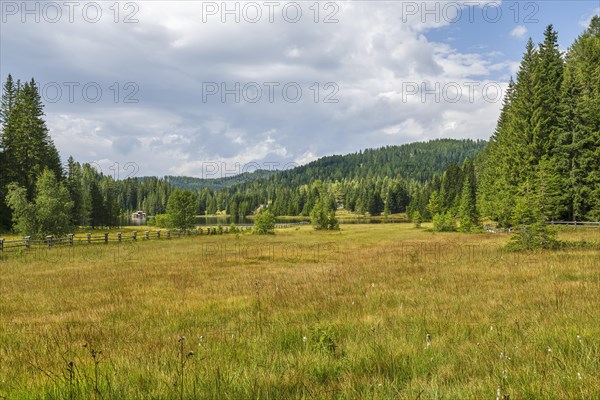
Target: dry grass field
(383, 311)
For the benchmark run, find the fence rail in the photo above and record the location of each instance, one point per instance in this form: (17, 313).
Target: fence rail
(25, 244)
(575, 223)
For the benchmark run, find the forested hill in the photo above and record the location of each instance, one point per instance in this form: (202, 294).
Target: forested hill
(418, 161)
(186, 182)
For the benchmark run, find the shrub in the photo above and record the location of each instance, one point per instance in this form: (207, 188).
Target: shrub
(162, 221)
(264, 223)
(444, 222)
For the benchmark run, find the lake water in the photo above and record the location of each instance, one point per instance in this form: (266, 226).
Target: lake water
(227, 220)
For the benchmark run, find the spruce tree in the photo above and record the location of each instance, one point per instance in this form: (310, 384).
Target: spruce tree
(580, 125)
(469, 217)
(28, 149)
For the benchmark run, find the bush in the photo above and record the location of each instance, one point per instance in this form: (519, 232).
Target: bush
(444, 222)
(162, 221)
(264, 223)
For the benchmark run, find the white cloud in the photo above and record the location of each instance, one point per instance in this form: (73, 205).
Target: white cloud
(370, 54)
(585, 21)
(518, 32)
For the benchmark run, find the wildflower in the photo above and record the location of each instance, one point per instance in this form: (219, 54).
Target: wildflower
(428, 340)
(501, 355)
(201, 339)
(579, 376)
(181, 339)
(579, 339)
(498, 394)
(549, 350)
(504, 374)
(304, 339)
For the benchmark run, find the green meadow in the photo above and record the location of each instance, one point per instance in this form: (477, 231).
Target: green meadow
(381, 311)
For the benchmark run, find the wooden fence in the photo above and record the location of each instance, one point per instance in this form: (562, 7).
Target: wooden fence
(71, 240)
(576, 223)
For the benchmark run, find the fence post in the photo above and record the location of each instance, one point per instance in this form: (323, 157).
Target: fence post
(106, 237)
(134, 235)
(71, 239)
(1, 244)
(168, 234)
(158, 234)
(49, 240)
(119, 236)
(89, 238)
(178, 233)
(27, 242)
(147, 233)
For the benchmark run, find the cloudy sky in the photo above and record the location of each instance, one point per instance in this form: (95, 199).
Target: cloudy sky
(179, 87)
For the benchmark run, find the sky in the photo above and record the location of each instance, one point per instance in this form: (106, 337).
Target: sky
(210, 89)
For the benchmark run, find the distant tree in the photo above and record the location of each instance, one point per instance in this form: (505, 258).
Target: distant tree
(48, 214)
(181, 208)
(322, 216)
(375, 202)
(97, 210)
(435, 205)
(469, 217)
(417, 219)
(529, 222)
(264, 223)
(74, 185)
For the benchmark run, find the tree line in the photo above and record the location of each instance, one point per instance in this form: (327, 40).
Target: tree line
(541, 163)
(543, 160)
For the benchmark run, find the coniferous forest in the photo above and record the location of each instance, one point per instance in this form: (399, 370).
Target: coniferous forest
(541, 163)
